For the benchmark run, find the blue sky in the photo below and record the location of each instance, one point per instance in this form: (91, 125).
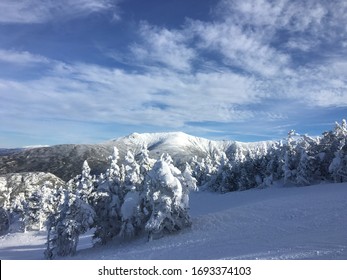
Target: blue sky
(85, 71)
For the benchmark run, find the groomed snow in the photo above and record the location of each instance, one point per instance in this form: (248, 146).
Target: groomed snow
(274, 223)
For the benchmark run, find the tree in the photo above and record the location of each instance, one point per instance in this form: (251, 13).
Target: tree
(132, 216)
(304, 172)
(144, 161)
(85, 184)
(132, 173)
(108, 200)
(165, 199)
(4, 221)
(290, 161)
(5, 206)
(188, 185)
(338, 165)
(75, 218)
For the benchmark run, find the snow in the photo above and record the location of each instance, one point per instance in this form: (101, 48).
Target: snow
(174, 140)
(273, 223)
(129, 206)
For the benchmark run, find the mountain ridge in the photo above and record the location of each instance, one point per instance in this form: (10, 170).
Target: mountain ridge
(65, 160)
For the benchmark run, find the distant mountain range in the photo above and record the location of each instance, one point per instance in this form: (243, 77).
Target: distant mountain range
(5, 152)
(65, 161)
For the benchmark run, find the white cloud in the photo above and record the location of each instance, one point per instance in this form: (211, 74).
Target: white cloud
(83, 92)
(163, 46)
(39, 11)
(301, 44)
(282, 14)
(258, 83)
(255, 35)
(245, 50)
(21, 58)
(164, 97)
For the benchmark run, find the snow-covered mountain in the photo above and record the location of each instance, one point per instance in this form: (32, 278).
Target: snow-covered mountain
(4, 152)
(65, 161)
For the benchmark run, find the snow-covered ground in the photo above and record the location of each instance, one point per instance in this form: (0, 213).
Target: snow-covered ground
(274, 223)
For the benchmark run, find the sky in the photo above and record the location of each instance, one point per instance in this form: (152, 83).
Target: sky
(85, 71)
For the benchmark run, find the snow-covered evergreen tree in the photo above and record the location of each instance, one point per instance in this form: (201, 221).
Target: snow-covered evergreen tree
(75, 218)
(5, 206)
(19, 209)
(338, 165)
(220, 181)
(166, 201)
(189, 183)
(200, 170)
(144, 161)
(132, 215)
(304, 173)
(4, 221)
(290, 161)
(306, 170)
(107, 201)
(85, 184)
(132, 172)
(5, 195)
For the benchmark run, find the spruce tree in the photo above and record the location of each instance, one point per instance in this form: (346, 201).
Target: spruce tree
(165, 199)
(107, 201)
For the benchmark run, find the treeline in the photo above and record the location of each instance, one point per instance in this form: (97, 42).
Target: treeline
(298, 160)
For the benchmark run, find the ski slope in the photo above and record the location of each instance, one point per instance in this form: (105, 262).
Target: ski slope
(274, 223)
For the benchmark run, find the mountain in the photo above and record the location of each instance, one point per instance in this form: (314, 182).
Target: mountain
(65, 161)
(4, 152)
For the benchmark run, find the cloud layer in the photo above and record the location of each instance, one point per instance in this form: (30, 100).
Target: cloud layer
(40, 11)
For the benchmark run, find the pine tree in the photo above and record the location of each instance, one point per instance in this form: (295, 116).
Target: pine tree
(290, 161)
(4, 221)
(107, 201)
(5, 195)
(165, 199)
(132, 216)
(189, 183)
(132, 172)
(75, 218)
(304, 174)
(85, 184)
(5, 206)
(144, 161)
(338, 165)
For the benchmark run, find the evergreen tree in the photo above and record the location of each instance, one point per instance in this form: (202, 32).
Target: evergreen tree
(145, 162)
(107, 201)
(5, 206)
(189, 183)
(290, 159)
(338, 165)
(132, 216)
(4, 221)
(132, 173)
(75, 218)
(85, 184)
(304, 173)
(165, 199)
